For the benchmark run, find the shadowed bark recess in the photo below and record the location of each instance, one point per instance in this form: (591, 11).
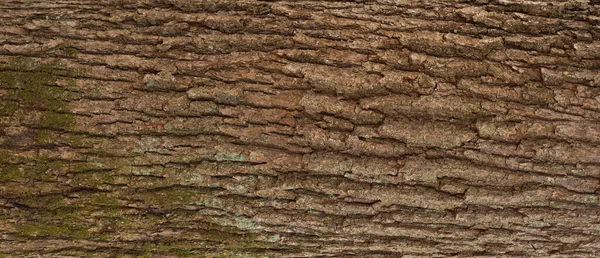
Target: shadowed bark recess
(243, 128)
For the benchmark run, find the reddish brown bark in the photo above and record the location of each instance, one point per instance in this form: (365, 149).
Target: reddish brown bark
(299, 128)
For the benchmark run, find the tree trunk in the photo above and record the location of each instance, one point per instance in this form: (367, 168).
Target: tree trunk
(229, 128)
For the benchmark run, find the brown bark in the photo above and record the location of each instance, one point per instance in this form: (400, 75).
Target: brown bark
(299, 128)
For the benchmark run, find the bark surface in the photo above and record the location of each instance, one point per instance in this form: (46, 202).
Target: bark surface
(373, 128)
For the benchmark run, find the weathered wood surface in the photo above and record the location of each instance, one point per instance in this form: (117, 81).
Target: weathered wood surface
(299, 128)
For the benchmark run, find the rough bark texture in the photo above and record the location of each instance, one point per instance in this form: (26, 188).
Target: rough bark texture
(299, 128)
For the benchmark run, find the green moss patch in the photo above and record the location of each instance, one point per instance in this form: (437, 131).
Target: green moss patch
(66, 229)
(31, 98)
(33, 86)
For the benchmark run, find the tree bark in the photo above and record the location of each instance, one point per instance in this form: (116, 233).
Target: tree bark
(374, 128)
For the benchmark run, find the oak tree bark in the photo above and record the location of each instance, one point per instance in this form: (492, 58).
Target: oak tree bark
(374, 128)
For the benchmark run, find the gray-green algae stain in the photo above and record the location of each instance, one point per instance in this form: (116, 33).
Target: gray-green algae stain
(27, 87)
(235, 157)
